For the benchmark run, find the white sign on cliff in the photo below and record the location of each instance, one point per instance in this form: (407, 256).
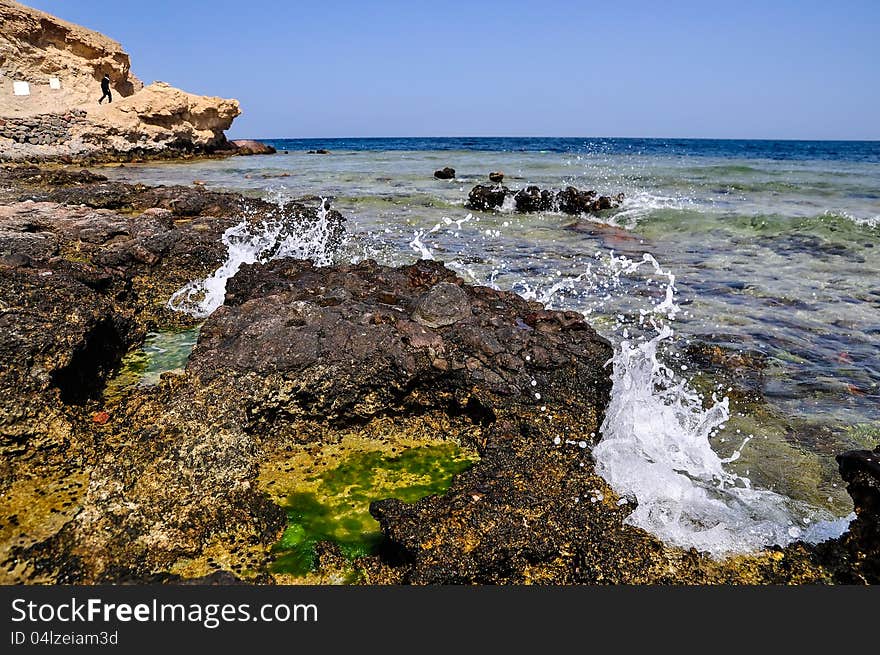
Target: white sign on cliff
(21, 89)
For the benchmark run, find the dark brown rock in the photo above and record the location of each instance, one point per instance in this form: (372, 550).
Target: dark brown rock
(574, 201)
(446, 173)
(860, 469)
(483, 197)
(444, 304)
(533, 199)
(251, 147)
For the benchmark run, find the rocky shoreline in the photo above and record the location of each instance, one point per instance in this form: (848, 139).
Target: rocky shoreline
(185, 480)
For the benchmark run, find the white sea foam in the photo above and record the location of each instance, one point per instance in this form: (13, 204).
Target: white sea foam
(656, 449)
(641, 204)
(420, 248)
(866, 221)
(656, 446)
(246, 243)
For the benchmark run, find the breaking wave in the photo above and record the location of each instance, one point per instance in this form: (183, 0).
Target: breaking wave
(656, 449)
(282, 235)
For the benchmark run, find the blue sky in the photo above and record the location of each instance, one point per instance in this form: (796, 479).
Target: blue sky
(738, 69)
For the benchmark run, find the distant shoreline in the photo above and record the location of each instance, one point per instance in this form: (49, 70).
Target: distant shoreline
(574, 138)
(851, 151)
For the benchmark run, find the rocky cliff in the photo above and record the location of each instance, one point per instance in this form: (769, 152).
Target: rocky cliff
(60, 118)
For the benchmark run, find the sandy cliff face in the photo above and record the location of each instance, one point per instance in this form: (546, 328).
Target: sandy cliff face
(161, 116)
(53, 122)
(35, 47)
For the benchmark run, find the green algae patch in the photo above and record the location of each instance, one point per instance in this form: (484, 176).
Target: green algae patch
(162, 352)
(332, 504)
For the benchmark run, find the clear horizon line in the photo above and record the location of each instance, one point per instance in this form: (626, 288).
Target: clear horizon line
(657, 138)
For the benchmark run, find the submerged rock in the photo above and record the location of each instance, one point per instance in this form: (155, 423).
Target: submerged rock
(446, 173)
(534, 199)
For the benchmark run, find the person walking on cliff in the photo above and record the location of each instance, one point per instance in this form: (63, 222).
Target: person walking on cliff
(105, 87)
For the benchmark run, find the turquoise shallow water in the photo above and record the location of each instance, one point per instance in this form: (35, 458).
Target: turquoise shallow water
(774, 247)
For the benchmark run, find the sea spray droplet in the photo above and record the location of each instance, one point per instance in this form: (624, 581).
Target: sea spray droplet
(281, 235)
(655, 447)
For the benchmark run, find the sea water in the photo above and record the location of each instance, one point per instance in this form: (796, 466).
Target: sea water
(764, 248)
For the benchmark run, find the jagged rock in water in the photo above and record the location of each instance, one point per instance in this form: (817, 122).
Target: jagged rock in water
(483, 197)
(534, 199)
(574, 201)
(446, 173)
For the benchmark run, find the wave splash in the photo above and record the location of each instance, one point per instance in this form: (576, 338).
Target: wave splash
(656, 440)
(285, 234)
(656, 450)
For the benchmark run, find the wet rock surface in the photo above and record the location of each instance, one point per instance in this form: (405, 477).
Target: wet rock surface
(860, 469)
(534, 199)
(79, 287)
(164, 483)
(352, 342)
(445, 173)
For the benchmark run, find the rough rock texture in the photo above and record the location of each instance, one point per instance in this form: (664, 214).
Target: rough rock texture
(68, 123)
(533, 199)
(163, 483)
(861, 471)
(35, 46)
(251, 147)
(79, 286)
(484, 198)
(357, 341)
(446, 173)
